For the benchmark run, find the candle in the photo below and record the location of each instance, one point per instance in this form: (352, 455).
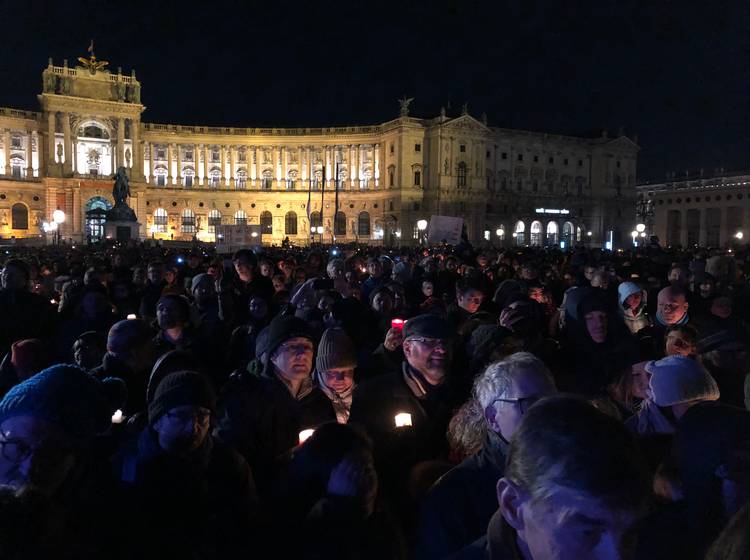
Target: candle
(132, 316)
(397, 324)
(305, 434)
(117, 417)
(402, 419)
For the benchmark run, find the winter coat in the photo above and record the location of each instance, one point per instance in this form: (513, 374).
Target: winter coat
(459, 506)
(202, 503)
(135, 382)
(634, 320)
(498, 544)
(24, 315)
(261, 419)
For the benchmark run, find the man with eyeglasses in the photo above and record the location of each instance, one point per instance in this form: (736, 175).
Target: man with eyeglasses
(460, 504)
(422, 394)
(262, 416)
(182, 480)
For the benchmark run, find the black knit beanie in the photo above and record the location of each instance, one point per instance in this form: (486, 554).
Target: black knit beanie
(182, 388)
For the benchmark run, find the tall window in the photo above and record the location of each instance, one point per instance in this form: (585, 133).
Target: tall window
(240, 218)
(339, 226)
(161, 176)
(363, 224)
(16, 167)
(417, 178)
(552, 233)
(266, 222)
(19, 216)
(214, 219)
(290, 223)
(267, 180)
(462, 174)
(214, 177)
(160, 220)
(188, 176)
(241, 180)
(188, 221)
(536, 233)
(520, 233)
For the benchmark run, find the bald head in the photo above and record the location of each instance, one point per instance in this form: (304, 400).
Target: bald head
(672, 304)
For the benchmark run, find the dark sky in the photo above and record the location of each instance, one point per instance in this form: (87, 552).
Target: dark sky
(676, 73)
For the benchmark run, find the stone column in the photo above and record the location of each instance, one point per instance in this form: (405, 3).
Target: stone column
(232, 161)
(76, 225)
(284, 164)
(205, 164)
(170, 177)
(376, 164)
(703, 221)
(328, 172)
(723, 234)
(6, 143)
(300, 165)
(178, 165)
(29, 163)
(278, 165)
(136, 152)
(360, 162)
(683, 228)
(74, 151)
(223, 154)
(197, 165)
(68, 166)
(353, 166)
(35, 137)
(151, 165)
(50, 141)
(120, 142)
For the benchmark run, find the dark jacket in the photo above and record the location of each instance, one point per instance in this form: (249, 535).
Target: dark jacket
(261, 419)
(375, 405)
(458, 508)
(24, 315)
(498, 544)
(201, 503)
(135, 382)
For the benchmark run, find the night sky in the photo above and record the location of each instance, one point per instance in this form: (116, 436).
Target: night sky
(675, 73)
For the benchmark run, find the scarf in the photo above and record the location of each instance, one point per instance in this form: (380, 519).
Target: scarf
(305, 388)
(342, 402)
(416, 382)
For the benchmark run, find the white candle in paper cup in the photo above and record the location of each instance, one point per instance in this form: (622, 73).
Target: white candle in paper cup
(132, 316)
(305, 434)
(117, 417)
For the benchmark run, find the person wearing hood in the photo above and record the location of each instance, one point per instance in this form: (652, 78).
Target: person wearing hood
(632, 306)
(192, 493)
(334, 370)
(460, 505)
(676, 384)
(262, 416)
(671, 311)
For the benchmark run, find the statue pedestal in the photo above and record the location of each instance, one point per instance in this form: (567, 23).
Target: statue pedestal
(119, 230)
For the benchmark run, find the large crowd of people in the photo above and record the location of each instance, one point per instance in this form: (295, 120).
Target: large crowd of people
(363, 402)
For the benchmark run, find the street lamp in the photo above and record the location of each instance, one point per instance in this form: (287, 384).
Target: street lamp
(634, 235)
(739, 235)
(421, 226)
(58, 216)
(640, 228)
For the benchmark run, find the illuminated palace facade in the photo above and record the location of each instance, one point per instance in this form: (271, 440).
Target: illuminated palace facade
(512, 187)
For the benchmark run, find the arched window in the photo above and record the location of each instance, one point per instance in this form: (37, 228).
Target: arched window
(579, 234)
(500, 232)
(552, 231)
(266, 222)
(363, 224)
(536, 233)
(339, 226)
(267, 180)
(214, 219)
(461, 174)
(240, 218)
(315, 219)
(19, 216)
(520, 233)
(188, 176)
(188, 221)
(160, 220)
(17, 169)
(291, 180)
(568, 233)
(240, 180)
(290, 223)
(161, 176)
(214, 176)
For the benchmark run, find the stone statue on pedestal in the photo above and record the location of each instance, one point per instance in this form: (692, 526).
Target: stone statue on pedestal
(121, 192)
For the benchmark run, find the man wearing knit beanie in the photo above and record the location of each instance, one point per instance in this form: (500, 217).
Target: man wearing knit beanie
(186, 482)
(334, 370)
(48, 421)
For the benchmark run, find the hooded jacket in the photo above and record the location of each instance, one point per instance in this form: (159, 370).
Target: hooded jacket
(637, 319)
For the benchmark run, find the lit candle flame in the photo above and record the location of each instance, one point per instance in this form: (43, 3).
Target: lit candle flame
(132, 316)
(117, 417)
(305, 434)
(402, 419)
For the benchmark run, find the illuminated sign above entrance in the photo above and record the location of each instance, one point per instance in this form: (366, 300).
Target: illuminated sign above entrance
(552, 211)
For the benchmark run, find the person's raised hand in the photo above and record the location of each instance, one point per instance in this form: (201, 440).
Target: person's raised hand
(393, 339)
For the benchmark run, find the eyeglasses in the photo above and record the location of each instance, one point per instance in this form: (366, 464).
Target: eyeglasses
(202, 418)
(670, 306)
(17, 451)
(524, 403)
(296, 348)
(431, 342)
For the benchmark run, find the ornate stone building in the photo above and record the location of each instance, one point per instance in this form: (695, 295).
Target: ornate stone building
(510, 186)
(697, 209)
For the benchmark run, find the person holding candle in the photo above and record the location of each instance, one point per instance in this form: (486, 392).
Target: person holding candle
(262, 415)
(191, 492)
(460, 504)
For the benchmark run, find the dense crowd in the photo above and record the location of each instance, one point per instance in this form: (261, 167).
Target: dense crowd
(360, 402)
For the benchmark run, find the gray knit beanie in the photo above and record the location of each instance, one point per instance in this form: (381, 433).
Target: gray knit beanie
(336, 350)
(679, 379)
